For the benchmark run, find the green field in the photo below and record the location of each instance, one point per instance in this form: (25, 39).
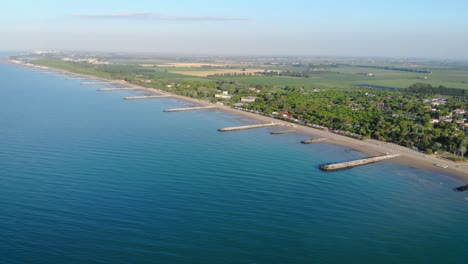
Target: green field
(322, 74)
(344, 77)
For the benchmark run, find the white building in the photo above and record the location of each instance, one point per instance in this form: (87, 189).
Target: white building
(223, 95)
(248, 99)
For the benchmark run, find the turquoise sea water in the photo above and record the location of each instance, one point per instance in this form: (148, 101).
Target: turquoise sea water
(87, 177)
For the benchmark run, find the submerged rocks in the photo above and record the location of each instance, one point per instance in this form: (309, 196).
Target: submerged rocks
(461, 188)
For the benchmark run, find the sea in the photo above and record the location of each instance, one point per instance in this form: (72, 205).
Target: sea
(86, 177)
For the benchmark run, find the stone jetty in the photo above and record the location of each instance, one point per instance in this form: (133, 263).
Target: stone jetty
(227, 129)
(93, 83)
(461, 188)
(61, 75)
(145, 97)
(282, 132)
(77, 78)
(354, 163)
(116, 89)
(189, 108)
(313, 140)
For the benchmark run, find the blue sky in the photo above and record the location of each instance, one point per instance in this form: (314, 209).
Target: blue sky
(414, 28)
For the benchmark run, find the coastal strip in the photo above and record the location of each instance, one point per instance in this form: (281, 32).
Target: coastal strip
(227, 129)
(371, 147)
(189, 108)
(145, 97)
(354, 163)
(117, 89)
(311, 141)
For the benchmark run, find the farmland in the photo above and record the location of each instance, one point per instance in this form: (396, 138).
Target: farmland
(324, 73)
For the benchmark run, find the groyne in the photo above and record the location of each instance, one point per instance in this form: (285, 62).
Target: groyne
(117, 89)
(282, 131)
(227, 129)
(354, 163)
(93, 83)
(461, 188)
(145, 97)
(313, 140)
(189, 108)
(60, 75)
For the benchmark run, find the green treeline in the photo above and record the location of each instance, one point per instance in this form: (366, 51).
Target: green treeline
(298, 74)
(424, 88)
(392, 68)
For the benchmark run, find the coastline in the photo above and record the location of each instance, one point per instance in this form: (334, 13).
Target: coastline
(408, 158)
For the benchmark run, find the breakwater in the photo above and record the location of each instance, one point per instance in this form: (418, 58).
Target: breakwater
(282, 132)
(117, 89)
(461, 188)
(227, 129)
(145, 97)
(311, 141)
(60, 75)
(189, 108)
(354, 163)
(93, 83)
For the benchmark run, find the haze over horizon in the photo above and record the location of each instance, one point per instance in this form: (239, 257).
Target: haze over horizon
(430, 29)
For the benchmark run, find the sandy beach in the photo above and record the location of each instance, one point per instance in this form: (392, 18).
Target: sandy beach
(408, 157)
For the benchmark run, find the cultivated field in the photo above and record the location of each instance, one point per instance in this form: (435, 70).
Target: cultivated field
(192, 64)
(208, 72)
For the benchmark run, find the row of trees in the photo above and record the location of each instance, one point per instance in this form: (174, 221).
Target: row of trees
(424, 88)
(394, 68)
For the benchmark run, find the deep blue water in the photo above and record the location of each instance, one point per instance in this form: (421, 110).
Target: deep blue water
(87, 177)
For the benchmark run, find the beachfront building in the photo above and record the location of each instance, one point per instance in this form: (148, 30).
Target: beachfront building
(223, 95)
(248, 99)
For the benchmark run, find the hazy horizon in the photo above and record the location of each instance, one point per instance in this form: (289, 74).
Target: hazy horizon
(420, 29)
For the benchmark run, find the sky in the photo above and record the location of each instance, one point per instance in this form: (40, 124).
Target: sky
(396, 28)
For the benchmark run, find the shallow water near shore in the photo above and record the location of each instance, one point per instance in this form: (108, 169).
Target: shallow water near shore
(88, 177)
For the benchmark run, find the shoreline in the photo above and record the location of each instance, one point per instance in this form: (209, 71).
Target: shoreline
(409, 158)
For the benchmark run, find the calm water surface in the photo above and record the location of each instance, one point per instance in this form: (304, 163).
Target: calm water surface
(87, 177)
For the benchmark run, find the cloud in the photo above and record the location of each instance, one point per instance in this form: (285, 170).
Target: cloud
(155, 16)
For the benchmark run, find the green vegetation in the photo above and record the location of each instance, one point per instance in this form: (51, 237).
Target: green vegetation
(112, 71)
(428, 89)
(384, 115)
(403, 69)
